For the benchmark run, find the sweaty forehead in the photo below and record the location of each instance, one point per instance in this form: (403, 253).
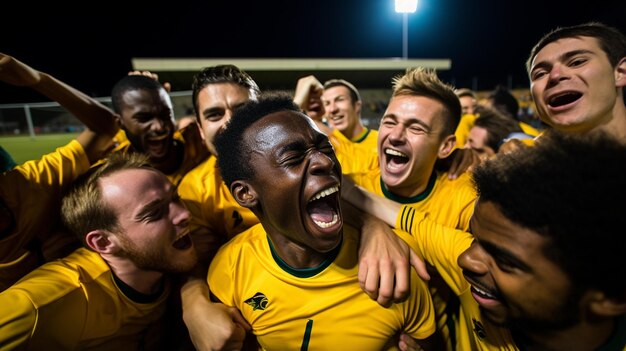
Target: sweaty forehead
(555, 49)
(224, 93)
(335, 91)
(131, 182)
(280, 127)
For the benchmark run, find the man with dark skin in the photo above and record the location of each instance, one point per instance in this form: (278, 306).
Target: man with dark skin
(145, 113)
(304, 263)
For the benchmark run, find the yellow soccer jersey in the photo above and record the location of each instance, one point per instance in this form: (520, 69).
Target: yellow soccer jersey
(463, 129)
(211, 204)
(195, 151)
(368, 139)
(355, 157)
(320, 308)
(32, 192)
(75, 304)
(528, 129)
(441, 247)
(449, 202)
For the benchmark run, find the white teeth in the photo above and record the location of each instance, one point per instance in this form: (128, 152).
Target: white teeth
(393, 152)
(324, 193)
(483, 292)
(327, 224)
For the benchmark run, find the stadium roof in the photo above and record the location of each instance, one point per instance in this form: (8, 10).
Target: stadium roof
(282, 74)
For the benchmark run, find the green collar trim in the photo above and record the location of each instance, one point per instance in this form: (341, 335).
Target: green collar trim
(360, 138)
(304, 272)
(410, 200)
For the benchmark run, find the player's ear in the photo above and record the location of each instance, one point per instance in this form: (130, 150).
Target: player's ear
(447, 146)
(100, 241)
(605, 306)
(620, 73)
(357, 106)
(244, 193)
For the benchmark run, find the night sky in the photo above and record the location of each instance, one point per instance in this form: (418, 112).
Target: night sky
(487, 40)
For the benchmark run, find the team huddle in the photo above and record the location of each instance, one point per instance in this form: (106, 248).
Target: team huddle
(451, 227)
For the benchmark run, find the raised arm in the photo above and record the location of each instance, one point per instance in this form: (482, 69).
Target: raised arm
(308, 96)
(96, 116)
(100, 120)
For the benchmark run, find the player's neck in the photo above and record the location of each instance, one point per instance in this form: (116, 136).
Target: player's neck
(173, 161)
(618, 122)
(356, 131)
(145, 282)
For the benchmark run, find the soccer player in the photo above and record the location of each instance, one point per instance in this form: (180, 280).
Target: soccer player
(294, 277)
(146, 116)
(336, 109)
(111, 294)
(30, 194)
(416, 130)
(538, 271)
(216, 217)
(577, 77)
(342, 103)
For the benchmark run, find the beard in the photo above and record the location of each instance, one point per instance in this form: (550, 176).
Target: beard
(152, 258)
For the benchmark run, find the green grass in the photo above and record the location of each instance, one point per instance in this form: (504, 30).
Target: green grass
(23, 148)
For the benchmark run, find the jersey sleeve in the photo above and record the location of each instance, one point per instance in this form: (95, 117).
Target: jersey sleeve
(420, 315)
(18, 318)
(220, 277)
(441, 246)
(58, 168)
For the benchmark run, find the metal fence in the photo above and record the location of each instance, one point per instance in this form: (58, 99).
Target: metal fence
(49, 117)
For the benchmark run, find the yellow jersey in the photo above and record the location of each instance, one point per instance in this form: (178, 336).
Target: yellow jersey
(194, 150)
(212, 206)
(32, 193)
(75, 304)
(321, 308)
(355, 157)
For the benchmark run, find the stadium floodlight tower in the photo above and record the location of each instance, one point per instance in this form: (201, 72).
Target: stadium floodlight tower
(405, 7)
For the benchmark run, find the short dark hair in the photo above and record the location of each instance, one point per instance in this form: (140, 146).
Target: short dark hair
(129, 83)
(568, 188)
(234, 151)
(221, 74)
(497, 125)
(504, 101)
(611, 40)
(354, 93)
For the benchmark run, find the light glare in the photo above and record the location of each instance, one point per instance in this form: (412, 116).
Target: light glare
(406, 6)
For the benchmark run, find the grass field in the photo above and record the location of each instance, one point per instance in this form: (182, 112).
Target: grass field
(23, 148)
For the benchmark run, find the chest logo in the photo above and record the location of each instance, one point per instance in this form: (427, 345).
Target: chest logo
(258, 302)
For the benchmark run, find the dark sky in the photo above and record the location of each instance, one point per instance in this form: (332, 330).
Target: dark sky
(487, 40)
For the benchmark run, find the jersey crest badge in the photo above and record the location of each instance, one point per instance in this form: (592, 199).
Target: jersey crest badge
(258, 302)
